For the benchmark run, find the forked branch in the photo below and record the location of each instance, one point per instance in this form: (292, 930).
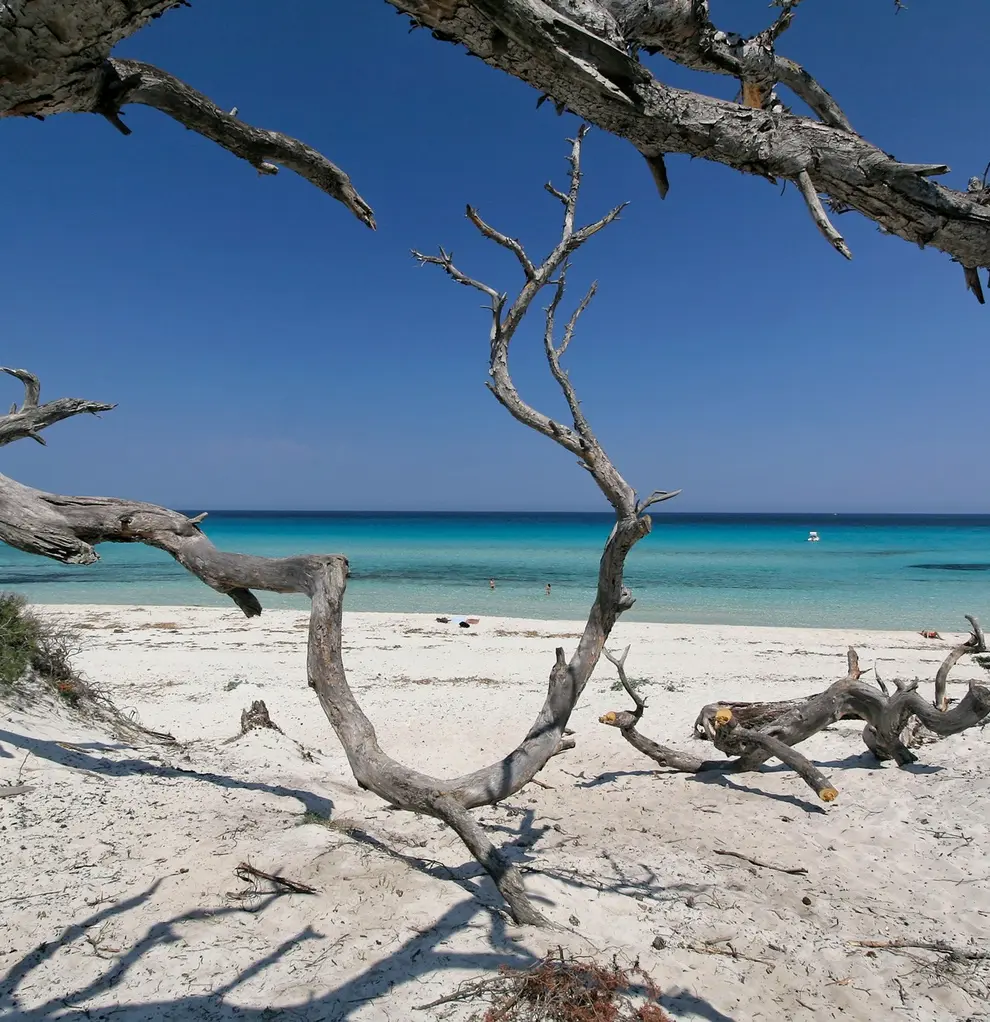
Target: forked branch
(579, 438)
(27, 421)
(583, 56)
(68, 528)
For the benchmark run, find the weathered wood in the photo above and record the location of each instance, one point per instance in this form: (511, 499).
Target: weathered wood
(976, 643)
(578, 53)
(134, 82)
(756, 732)
(68, 529)
(55, 58)
(27, 421)
(257, 717)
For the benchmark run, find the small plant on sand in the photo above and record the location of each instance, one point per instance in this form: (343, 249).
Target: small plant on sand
(19, 636)
(30, 644)
(562, 988)
(616, 685)
(36, 658)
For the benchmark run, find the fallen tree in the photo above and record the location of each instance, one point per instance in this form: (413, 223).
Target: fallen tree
(67, 528)
(756, 732)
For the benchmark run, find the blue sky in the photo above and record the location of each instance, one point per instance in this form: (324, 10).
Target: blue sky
(267, 351)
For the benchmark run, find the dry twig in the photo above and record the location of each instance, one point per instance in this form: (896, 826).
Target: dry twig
(283, 885)
(796, 871)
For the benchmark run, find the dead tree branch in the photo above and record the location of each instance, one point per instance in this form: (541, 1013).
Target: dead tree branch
(794, 871)
(54, 60)
(130, 81)
(957, 954)
(756, 732)
(568, 678)
(581, 53)
(818, 214)
(32, 417)
(976, 643)
(68, 529)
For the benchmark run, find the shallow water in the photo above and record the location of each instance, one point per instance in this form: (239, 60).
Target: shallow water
(868, 571)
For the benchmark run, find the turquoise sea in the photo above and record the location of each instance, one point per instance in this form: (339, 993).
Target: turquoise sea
(868, 571)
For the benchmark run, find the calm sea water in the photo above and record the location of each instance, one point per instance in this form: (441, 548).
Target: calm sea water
(868, 571)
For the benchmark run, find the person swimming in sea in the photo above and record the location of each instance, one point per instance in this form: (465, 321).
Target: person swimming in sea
(548, 588)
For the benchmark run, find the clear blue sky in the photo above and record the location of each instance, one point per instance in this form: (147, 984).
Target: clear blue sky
(267, 351)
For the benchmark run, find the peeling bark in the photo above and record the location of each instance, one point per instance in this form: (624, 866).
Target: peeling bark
(579, 54)
(55, 58)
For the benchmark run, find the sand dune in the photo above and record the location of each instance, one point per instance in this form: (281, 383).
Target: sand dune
(119, 898)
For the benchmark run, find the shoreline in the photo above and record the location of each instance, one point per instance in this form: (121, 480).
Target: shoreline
(957, 625)
(486, 621)
(116, 844)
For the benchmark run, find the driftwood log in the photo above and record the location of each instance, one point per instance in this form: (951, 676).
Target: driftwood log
(752, 733)
(67, 529)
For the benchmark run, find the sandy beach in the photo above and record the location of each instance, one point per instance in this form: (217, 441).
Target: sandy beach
(119, 897)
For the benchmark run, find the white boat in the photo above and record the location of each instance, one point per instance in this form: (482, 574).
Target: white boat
(813, 537)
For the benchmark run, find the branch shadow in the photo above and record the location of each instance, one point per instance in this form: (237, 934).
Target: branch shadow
(79, 758)
(416, 960)
(646, 887)
(725, 781)
(613, 775)
(686, 1003)
(527, 835)
(867, 761)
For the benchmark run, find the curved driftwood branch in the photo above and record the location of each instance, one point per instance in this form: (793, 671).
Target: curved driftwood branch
(580, 53)
(55, 58)
(68, 528)
(756, 732)
(976, 643)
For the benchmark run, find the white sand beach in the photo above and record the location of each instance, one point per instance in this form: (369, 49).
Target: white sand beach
(119, 899)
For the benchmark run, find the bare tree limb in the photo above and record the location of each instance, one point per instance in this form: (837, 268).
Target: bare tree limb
(958, 954)
(656, 497)
(819, 215)
(504, 240)
(580, 53)
(579, 56)
(130, 81)
(568, 678)
(27, 421)
(56, 59)
(755, 732)
(620, 666)
(976, 643)
(658, 171)
(446, 262)
(554, 352)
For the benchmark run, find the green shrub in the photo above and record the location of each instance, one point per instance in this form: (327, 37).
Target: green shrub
(28, 643)
(20, 634)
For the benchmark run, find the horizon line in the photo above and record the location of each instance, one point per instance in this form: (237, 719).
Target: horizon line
(547, 511)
